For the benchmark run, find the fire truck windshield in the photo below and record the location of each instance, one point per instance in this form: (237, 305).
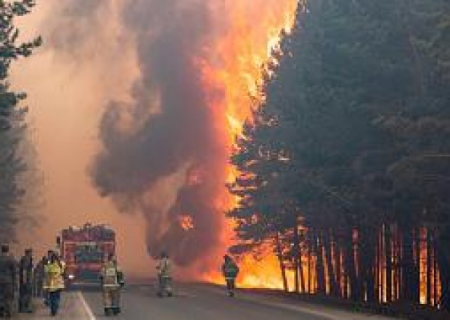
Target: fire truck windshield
(86, 253)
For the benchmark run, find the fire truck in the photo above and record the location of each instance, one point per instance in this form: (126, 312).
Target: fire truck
(84, 249)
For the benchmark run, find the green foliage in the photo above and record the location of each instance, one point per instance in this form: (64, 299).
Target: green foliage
(11, 114)
(354, 133)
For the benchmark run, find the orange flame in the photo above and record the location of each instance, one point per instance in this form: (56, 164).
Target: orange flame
(232, 84)
(186, 222)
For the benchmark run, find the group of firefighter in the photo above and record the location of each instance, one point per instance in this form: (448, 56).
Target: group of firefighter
(21, 281)
(112, 280)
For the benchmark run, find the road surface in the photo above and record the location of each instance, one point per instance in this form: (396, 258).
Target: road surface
(196, 302)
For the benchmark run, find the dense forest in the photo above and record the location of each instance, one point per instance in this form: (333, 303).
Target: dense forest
(12, 113)
(345, 166)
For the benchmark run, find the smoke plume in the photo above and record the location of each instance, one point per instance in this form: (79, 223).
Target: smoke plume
(165, 142)
(171, 79)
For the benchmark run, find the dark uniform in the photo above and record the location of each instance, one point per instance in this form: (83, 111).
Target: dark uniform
(230, 271)
(26, 282)
(38, 278)
(8, 280)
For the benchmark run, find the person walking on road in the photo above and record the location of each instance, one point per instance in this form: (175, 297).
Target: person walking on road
(26, 282)
(8, 281)
(112, 281)
(164, 276)
(54, 284)
(230, 271)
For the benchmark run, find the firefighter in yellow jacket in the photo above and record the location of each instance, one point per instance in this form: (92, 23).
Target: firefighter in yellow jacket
(112, 281)
(54, 281)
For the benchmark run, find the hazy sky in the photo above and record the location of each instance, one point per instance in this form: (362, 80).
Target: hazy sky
(65, 96)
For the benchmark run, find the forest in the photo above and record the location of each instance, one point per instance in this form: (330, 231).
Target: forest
(344, 169)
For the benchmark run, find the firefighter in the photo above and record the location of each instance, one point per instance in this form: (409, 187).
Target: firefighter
(38, 277)
(164, 278)
(112, 281)
(26, 282)
(8, 281)
(45, 282)
(54, 282)
(230, 271)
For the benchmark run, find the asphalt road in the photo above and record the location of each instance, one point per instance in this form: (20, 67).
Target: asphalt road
(202, 302)
(190, 302)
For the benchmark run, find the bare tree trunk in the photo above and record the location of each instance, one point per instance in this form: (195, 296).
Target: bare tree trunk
(280, 260)
(443, 243)
(408, 265)
(334, 288)
(299, 278)
(309, 262)
(350, 267)
(320, 270)
(368, 252)
(378, 268)
(296, 254)
(300, 270)
(345, 284)
(399, 264)
(429, 266)
(418, 242)
(337, 263)
(435, 271)
(388, 254)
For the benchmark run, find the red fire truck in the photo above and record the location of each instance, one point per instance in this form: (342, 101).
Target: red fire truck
(84, 249)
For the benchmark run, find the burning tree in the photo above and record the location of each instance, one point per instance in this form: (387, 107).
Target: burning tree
(12, 128)
(351, 146)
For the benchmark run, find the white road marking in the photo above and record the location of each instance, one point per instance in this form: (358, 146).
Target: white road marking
(86, 307)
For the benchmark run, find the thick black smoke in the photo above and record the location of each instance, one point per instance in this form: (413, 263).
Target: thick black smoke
(172, 135)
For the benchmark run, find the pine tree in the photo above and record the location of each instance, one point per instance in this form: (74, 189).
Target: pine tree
(11, 115)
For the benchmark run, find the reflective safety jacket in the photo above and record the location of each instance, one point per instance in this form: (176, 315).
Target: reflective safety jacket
(112, 276)
(164, 268)
(54, 276)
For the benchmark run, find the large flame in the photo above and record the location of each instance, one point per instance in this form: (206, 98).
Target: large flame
(232, 85)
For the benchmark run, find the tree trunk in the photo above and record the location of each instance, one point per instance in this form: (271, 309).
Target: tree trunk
(337, 263)
(296, 253)
(334, 288)
(368, 252)
(396, 257)
(435, 271)
(300, 270)
(309, 262)
(408, 266)
(350, 267)
(429, 266)
(443, 243)
(388, 255)
(378, 266)
(320, 271)
(280, 260)
(417, 265)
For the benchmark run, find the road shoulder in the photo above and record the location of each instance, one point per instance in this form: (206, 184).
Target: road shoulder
(73, 306)
(299, 306)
